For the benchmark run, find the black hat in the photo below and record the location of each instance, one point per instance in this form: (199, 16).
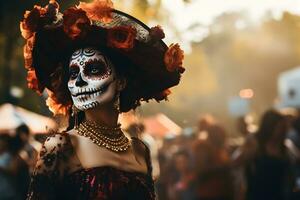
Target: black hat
(148, 64)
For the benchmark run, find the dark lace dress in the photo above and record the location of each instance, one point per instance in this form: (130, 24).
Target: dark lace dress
(51, 181)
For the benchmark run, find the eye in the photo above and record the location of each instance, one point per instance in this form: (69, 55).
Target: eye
(95, 68)
(73, 72)
(73, 75)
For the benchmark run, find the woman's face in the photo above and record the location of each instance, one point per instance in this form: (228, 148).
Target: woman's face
(91, 79)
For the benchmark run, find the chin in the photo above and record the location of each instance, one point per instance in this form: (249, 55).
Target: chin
(96, 103)
(89, 105)
(89, 101)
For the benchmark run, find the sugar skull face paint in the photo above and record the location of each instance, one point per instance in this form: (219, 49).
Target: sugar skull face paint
(91, 79)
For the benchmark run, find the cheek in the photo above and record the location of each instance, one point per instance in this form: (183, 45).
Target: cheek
(71, 84)
(94, 83)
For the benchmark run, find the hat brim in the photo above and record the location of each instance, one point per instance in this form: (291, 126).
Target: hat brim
(53, 48)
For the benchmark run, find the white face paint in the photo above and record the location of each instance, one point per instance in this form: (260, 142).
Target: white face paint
(92, 79)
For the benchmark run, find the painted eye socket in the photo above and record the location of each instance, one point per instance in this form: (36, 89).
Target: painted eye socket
(95, 68)
(73, 72)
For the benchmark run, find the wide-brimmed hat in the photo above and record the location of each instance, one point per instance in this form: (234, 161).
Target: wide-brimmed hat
(148, 64)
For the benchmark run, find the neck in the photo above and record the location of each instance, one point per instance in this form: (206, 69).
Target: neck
(103, 116)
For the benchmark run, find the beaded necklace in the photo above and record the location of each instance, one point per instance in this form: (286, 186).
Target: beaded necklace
(112, 138)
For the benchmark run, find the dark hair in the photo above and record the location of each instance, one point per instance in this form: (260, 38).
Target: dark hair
(23, 128)
(15, 144)
(268, 124)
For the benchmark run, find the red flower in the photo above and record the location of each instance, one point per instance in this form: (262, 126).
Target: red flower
(33, 83)
(98, 10)
(27, 52)
(75, 22)
(121, 37)
(173, 58)
(157, 33)
(162, 95)
(54, 106)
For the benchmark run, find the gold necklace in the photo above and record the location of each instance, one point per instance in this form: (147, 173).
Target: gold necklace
(111, 138)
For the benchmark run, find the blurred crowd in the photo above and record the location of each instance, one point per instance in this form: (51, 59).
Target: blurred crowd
(200, 163)
(17, 161)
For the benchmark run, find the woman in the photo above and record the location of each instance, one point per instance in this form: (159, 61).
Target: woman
(213, 179)
(266, 160)
(14, 171)
(182, 177)
(94, 63)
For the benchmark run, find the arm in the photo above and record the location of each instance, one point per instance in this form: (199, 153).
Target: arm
(47, 173)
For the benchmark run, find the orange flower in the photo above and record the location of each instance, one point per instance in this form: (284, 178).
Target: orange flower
(27, 51)
(98, 10)
(38, 16)
(33, 83)
(52, 10)
(75, 22)
(173, 58)
(55, 107)
(157, 33)
(121, 37)
(30, 22)
(162, 95)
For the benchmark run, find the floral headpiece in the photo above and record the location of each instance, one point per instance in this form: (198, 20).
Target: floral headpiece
(76, 22)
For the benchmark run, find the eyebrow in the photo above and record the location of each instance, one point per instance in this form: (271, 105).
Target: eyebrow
(74, 66)
(102, 58)
(103, 61)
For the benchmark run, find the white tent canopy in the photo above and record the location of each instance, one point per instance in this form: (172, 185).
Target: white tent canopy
(289, 88)
(158, 125)
(12, 116)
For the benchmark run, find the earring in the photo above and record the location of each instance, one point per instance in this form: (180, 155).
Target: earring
(117, 102)
(75, 112)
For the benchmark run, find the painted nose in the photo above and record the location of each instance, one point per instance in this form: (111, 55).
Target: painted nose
(80, 82)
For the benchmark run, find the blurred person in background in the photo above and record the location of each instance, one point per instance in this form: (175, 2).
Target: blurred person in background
(28, 152)
(19, 168)
(14, 167)
(248, 141)
(266, 160)
(7, 187)
(213, 178)
(205, 121)
(293, 144)
(165, 155)
(180, 188)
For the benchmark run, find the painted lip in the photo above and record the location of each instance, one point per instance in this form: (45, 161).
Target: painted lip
(89, 91)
